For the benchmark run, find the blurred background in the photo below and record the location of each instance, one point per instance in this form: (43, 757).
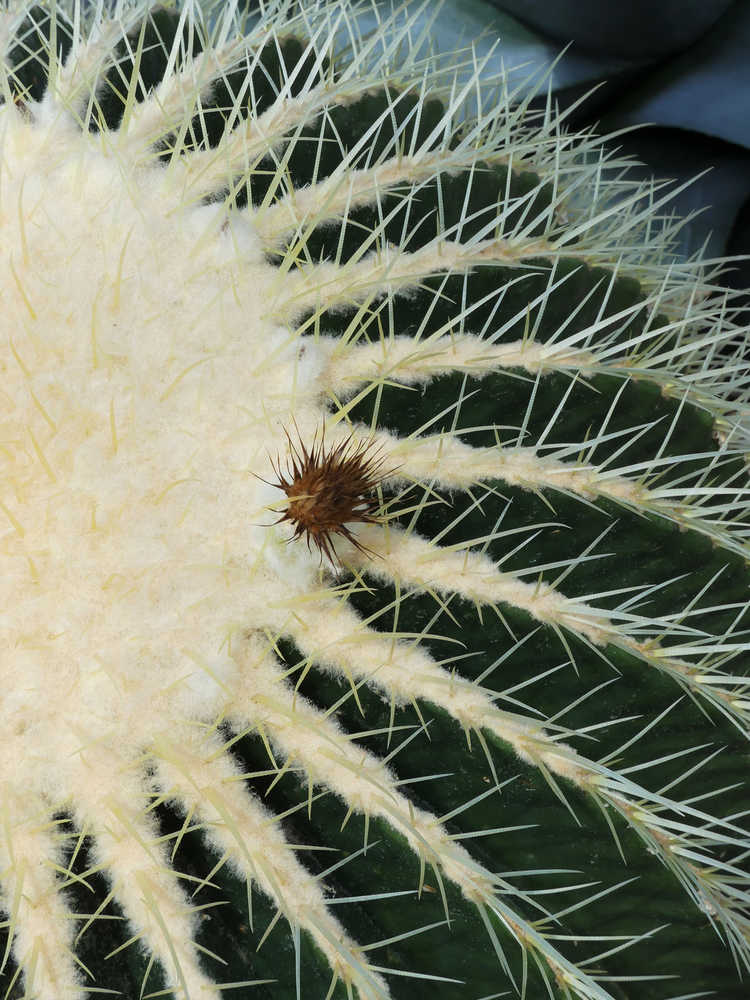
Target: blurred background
(683, 66)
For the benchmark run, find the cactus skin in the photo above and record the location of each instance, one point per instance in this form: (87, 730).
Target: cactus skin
(227, 763)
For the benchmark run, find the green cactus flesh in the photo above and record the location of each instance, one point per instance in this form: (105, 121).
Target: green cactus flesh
(500, 749)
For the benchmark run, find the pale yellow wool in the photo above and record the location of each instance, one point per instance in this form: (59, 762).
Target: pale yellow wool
(420, 361)
(130, 421)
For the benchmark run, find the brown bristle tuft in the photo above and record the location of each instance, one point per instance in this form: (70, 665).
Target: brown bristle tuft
(330, 488)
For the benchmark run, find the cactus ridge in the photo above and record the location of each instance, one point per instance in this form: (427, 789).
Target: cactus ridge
(216, 226)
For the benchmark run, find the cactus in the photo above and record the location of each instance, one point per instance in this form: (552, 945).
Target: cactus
(374, 529)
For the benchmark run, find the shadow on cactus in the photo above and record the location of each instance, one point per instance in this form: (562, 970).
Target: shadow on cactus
(499, 747)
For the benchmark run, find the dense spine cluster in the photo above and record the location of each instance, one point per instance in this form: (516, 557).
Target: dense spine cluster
(328, 489)
(471, 715)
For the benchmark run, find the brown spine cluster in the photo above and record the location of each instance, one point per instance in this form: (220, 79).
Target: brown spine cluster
(328, 489)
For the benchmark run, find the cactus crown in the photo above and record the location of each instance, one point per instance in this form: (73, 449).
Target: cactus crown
(476, 747)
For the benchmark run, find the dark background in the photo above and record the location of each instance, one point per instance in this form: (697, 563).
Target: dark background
(681, 65)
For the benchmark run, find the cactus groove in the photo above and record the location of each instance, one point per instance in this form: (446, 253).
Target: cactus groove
(498, 745)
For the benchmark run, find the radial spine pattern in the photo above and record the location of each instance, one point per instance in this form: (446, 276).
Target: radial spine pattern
(495, 741)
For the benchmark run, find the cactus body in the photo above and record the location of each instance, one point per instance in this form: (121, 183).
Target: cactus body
(497, 746)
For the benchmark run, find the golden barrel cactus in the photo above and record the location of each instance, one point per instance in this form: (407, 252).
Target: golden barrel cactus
(373, 528)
